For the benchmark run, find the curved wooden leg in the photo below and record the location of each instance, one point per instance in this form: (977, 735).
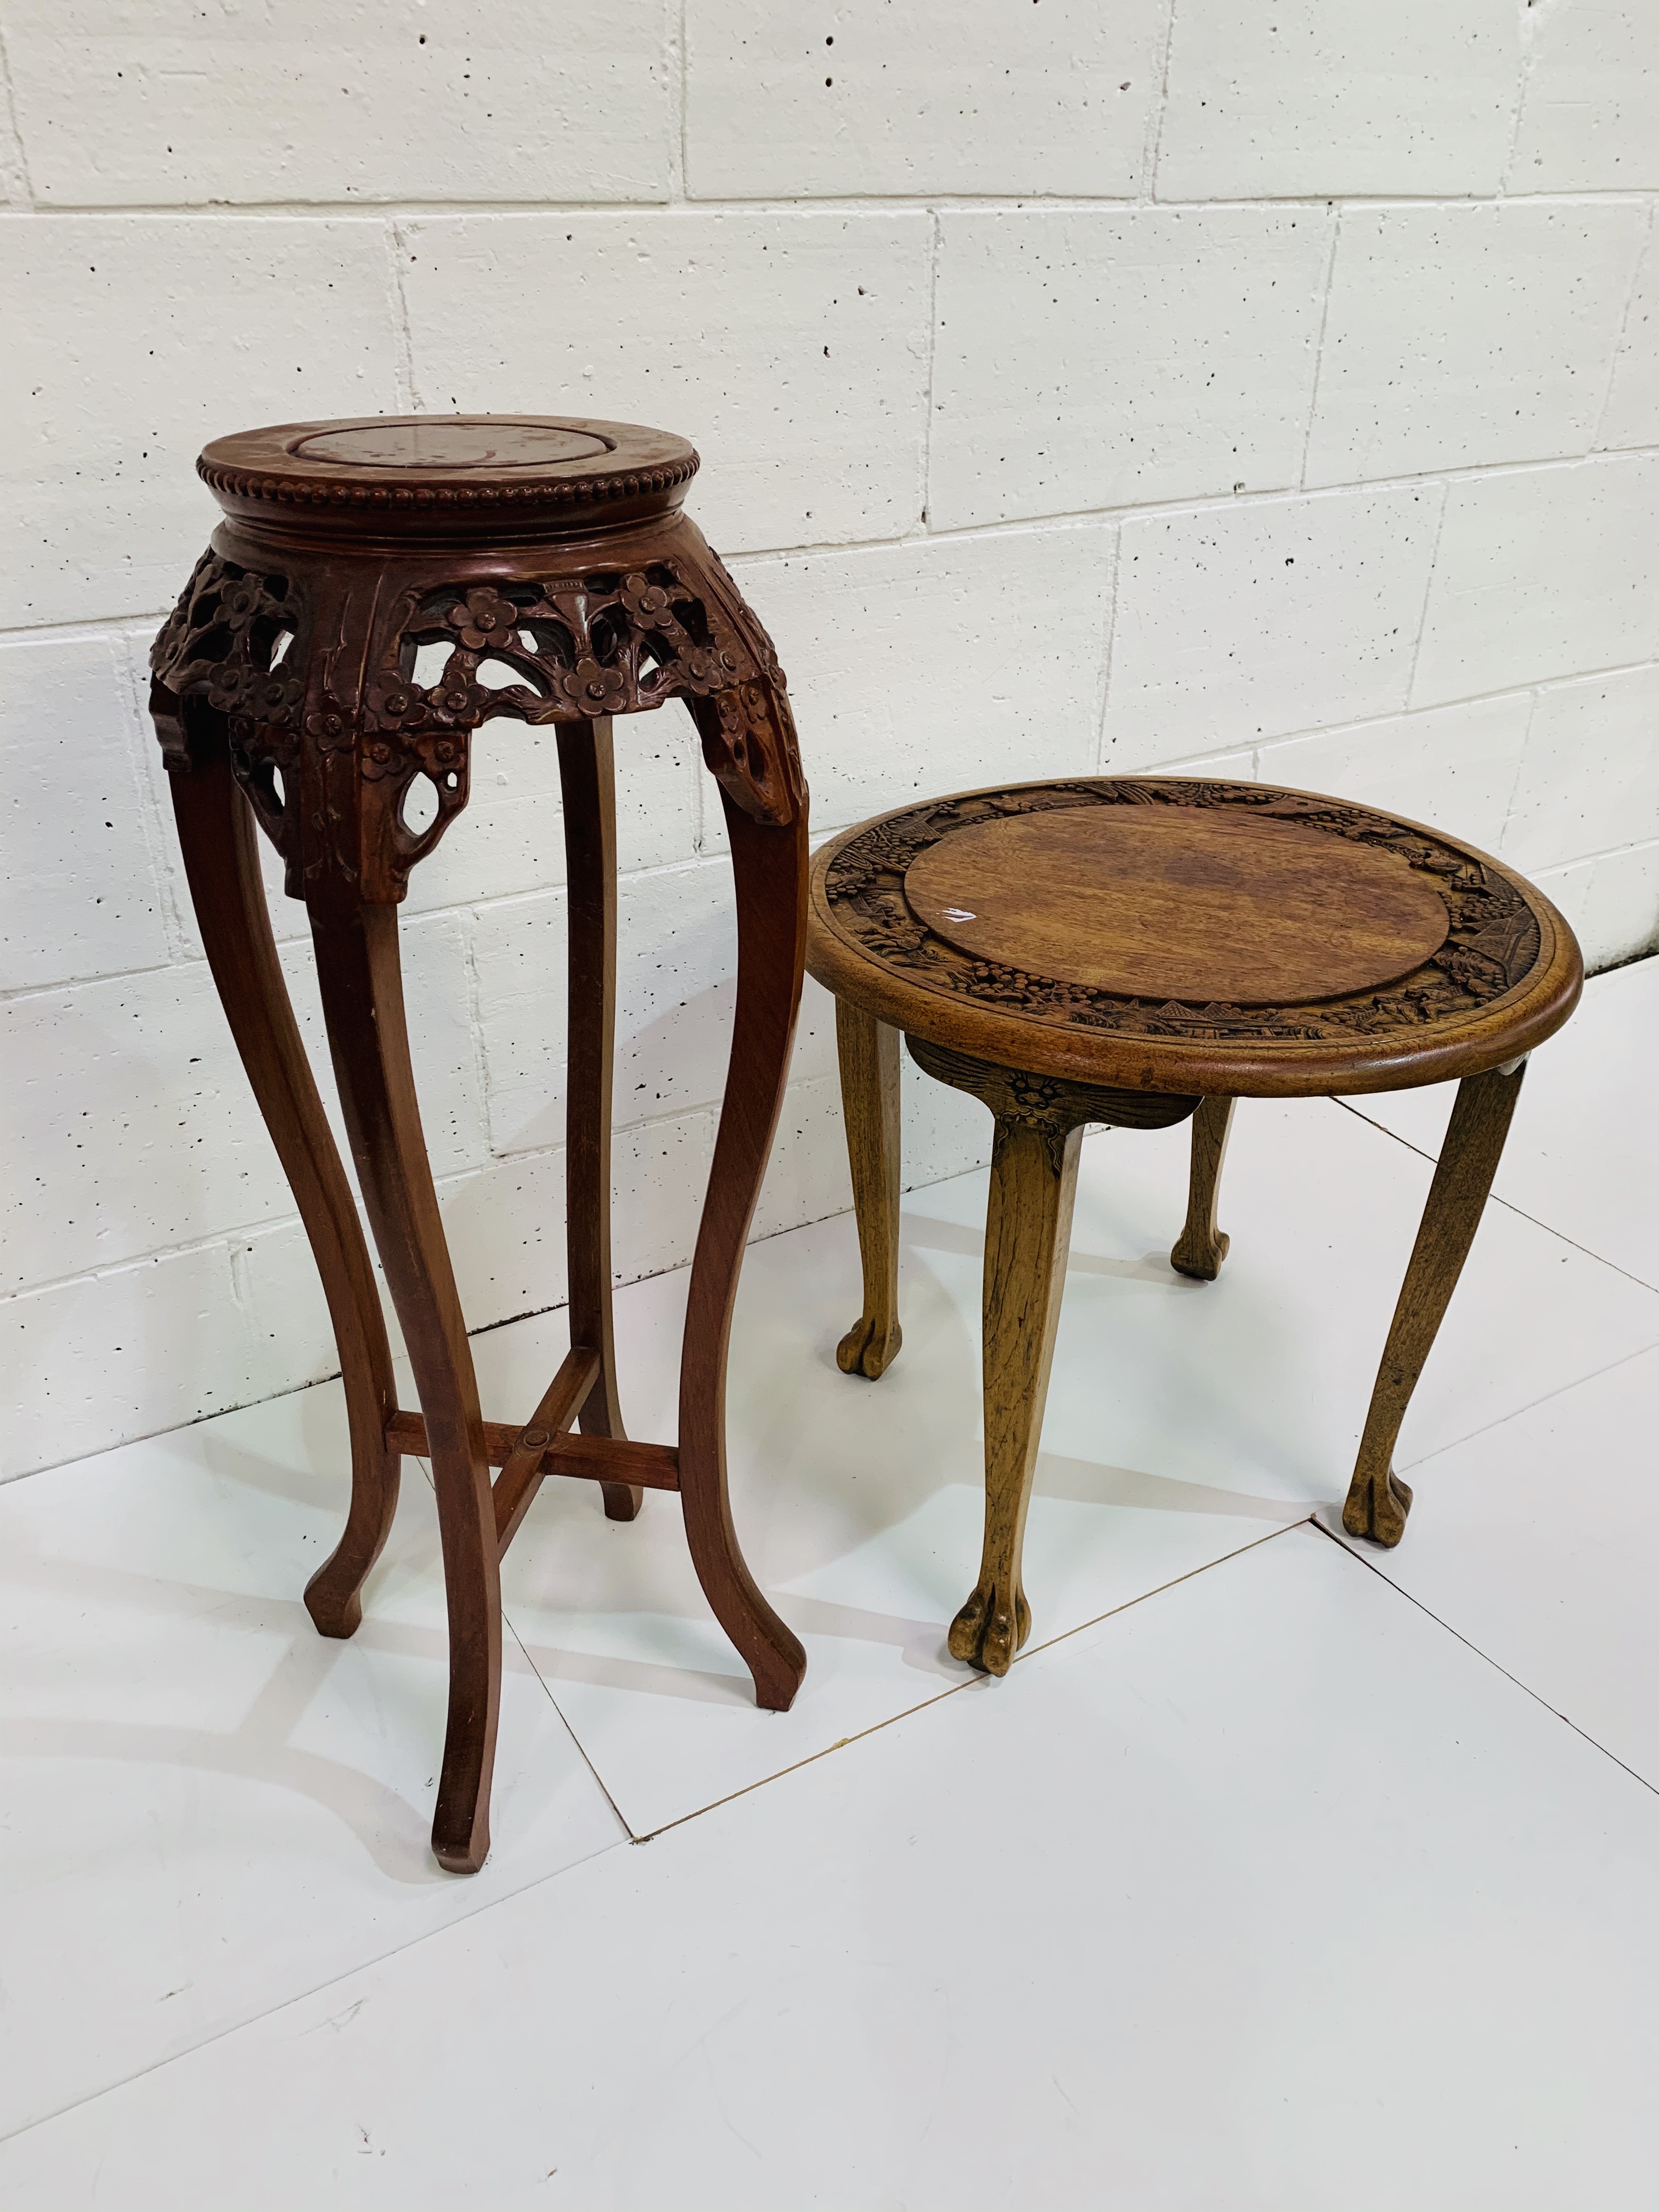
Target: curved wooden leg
(1202, 1247)
(869, 1054)
(358, 969)
(769, 867)
(219, 842)
(1378, 1501)
(1028, 1230)
(588, 776)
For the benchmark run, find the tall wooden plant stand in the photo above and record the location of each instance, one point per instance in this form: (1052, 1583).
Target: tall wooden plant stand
(553, 560)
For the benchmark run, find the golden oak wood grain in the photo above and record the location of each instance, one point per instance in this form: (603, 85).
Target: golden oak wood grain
(869, 1055)
(1027, 1229)
(1210, 886)
(1178, 903)
(1378, 1501)
(1202, 1247)
(906, 987)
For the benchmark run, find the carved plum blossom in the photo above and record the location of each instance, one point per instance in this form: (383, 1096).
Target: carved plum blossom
(647, 602)
(381, 757)
(395, 703)
(591, 688)
(273, 699)
(484, 618)
(455, 701)
(329, 727)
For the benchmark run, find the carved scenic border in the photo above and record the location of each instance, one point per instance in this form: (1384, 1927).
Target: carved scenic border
(1491, 946)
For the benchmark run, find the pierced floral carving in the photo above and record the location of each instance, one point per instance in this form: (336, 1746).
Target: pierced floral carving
(1491, 946)
(328, 726)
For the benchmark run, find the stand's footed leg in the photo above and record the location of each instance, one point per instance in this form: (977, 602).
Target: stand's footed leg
(769, 866)
(869, 1053)
(1378, 1501)
(1027, 1230)
(221, 864)
(1202, 1247)
(361, 983)
(587, 773)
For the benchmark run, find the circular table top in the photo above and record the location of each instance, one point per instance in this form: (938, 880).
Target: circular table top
(470, 471)
(1170, 934)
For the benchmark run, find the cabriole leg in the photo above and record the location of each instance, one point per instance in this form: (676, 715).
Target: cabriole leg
(768, 866)
(219, 842)
(1202, 1247)
(869, 1055)
(1378, 1501)
(587, 774)
(1028, 1232)
(361, 981)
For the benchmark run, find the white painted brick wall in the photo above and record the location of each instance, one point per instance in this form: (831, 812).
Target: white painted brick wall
(1077, 388)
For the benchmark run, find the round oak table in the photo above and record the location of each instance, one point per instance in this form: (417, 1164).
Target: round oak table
(545, 570)
(1140, 950)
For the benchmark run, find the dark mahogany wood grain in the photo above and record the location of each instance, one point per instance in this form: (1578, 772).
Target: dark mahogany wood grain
(587, 777)
(522, 1471)
(360, 978)
(551, 562)
(589, 1459)
(217, 839)
(770, 868)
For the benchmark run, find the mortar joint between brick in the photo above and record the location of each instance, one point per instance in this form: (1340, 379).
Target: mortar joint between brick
(1428, 593)
(1594, 859)
(475, 1022)
(674, 39)
(804, 209)
(14, 157)
(1152, 146)
(935, 241)
(1319, 342)
(402, 334)
(1527, 27)
(1104, 688)
(1645, 246)
(1520, 767)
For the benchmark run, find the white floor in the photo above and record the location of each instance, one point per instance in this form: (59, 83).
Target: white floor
(1270, 1878)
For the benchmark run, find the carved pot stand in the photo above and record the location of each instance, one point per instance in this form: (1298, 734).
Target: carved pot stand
(1134, 952)
(552, 563)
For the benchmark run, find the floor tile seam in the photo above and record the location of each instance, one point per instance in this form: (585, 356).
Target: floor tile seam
(304, 1997)
(627, 1826)
(489, 1904)
(1526, 1689)
(1509, 1204)
(1455, 1443)
(973, 1680)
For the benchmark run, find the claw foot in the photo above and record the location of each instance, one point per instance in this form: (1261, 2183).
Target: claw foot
(986, 1633)
(1200, 1256)
(865, 1349)
(1377, 1509)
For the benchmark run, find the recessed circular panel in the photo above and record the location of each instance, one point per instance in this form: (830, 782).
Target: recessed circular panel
(1182, 902)
(451, 441)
